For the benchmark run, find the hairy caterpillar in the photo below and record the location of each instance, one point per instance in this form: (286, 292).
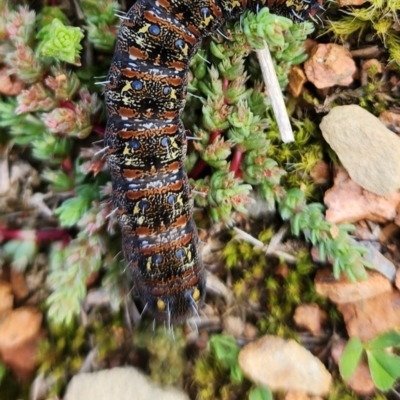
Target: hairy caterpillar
(146, 143)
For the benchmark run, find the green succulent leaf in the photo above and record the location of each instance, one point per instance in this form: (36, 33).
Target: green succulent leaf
(60, 42)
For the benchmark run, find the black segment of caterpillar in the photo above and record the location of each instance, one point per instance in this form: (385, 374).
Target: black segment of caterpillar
(146, 143)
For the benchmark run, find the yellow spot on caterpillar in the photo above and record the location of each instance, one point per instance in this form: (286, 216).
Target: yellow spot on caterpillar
(148, 267)
(161, 305)
(185, 50)
(144, 29)
(196, 294)
(235, 4)
(127, 87)
(179, 200)
(136, 209)
(126, 149)
(173, 94)
(208, 20)
(174, 144)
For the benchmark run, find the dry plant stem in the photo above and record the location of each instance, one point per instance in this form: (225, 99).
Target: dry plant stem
(90, 361)
(277, 239)
(367, 52)
(217, 287)
(275, 94)
(242, 235)
(4, 171)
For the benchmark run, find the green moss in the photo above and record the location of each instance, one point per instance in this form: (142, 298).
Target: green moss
(217, 374)
(165, 348)
(377, 16)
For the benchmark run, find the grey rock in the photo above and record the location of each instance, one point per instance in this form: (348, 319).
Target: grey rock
(284, 365)
(367, 149)
(379, 261)
(119, 384)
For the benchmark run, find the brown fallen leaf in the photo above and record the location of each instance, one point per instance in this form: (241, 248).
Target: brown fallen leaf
(20, 332)
(297, 79)
(321, 173)
(361, 317)
(343, 290)
(349, 202)
(391, 119)
(6, 298)
(19, 286)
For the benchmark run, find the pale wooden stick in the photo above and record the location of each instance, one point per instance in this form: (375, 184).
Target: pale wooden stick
(275, 94)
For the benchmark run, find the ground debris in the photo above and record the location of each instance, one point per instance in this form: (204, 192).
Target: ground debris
(310, 317)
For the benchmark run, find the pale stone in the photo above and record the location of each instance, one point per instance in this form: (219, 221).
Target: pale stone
(367, 149)
(119, 384)
(342, 290)
(284, 365)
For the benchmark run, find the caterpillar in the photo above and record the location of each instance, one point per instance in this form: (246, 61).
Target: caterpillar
(146, 143)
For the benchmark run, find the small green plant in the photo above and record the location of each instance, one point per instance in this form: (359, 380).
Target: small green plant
(260, 393)
(226, 352)
(384, 365)
(218, 374)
